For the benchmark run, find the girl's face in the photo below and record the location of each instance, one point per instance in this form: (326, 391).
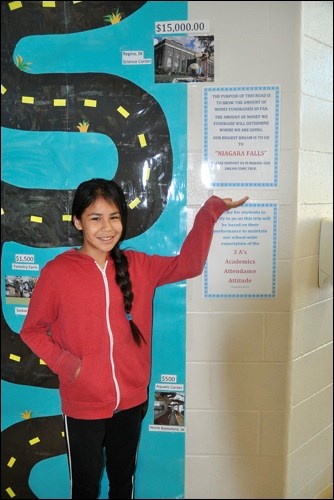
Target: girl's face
(101, 227)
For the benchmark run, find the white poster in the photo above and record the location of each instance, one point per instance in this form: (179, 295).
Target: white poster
(241, 135)
(242, 258)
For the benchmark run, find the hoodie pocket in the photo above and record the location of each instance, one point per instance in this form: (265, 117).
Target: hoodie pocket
(94, 382)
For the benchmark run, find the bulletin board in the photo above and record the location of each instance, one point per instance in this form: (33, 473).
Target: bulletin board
(80, 100)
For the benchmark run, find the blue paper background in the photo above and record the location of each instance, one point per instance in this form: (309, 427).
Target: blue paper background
(59, 160)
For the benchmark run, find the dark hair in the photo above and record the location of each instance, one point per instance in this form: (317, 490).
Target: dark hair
(87, 193)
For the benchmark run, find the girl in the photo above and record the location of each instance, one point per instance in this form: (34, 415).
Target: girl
(90, 320)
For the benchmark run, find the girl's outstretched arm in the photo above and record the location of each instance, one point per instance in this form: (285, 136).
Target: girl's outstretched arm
(194, 251)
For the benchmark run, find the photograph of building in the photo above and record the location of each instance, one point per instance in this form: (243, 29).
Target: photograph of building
(184, 59)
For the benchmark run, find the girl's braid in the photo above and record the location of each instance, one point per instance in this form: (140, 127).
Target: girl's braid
(124, 282)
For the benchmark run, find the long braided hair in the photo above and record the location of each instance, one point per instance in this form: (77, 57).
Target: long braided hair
(87, 193)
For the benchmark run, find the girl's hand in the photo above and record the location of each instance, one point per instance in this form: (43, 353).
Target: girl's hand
(234, 204)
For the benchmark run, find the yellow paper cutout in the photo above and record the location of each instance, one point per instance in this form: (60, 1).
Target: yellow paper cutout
(123, 111)
(10, 492)
(3, 89)
(14, 357)
(67, 217)
(90, 103)
(11, 462)
(36, 218)
(48, 4)
(134, 203)
(142, 140)
(34, 441)
(41, 362)
(27, 100)
(59, 102)
(15, 5)
(2, 211)
(147, 173)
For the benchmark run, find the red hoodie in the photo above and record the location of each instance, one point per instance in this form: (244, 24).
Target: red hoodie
(76, 318)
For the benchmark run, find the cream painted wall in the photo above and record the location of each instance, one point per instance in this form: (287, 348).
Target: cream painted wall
(258, 410)
(310, 449)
